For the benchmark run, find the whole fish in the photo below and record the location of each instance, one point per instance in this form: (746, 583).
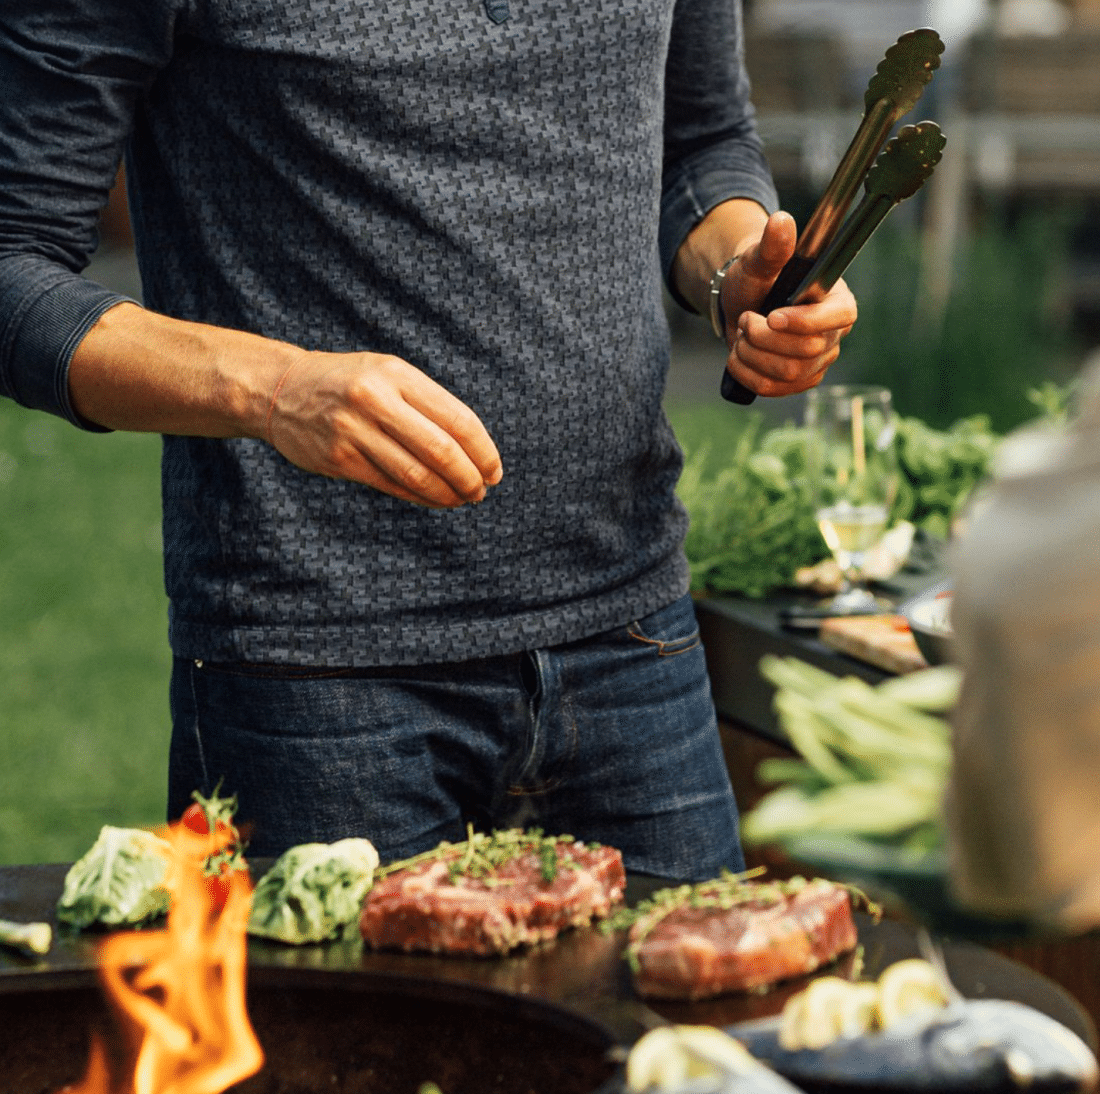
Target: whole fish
(971, 1045)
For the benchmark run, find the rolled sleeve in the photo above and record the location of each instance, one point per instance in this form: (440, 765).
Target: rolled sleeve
(48, 313)
(713, 152)
(71, 74)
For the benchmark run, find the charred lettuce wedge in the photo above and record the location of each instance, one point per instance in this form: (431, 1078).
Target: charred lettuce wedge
(118, 882)
(313, 891)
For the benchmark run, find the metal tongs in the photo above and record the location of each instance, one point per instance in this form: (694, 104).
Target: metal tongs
(824, 250)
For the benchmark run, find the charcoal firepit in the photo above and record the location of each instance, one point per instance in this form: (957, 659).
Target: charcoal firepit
(341, 1041)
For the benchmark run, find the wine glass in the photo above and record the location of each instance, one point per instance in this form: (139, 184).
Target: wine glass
(852, 465)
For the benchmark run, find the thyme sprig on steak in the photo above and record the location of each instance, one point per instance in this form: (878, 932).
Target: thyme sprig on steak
(482, 854)
(724, 891)
(728, 890)
(491, 893)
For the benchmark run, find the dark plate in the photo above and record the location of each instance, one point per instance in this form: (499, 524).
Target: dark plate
(583, 973)
(935, 642)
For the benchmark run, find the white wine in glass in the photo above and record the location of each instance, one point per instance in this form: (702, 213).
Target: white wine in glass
(852, 464)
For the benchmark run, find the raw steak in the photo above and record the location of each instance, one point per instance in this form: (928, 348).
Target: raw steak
(775, 931)
(424, 907)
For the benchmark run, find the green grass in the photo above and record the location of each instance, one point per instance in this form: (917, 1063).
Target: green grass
(83, 650)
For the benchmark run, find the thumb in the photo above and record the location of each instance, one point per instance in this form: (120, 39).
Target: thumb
(777, 243)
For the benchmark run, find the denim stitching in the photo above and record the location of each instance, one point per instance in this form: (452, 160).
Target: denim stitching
(663, 648)
(195, 666)
(536, 784)
(263, 671)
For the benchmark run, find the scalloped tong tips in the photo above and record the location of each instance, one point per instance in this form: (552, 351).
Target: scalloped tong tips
(899, 172)
(898, 82)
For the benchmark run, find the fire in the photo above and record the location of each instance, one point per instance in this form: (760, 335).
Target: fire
(179, 994)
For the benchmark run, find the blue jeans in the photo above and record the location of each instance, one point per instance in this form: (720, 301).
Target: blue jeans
(611, 739)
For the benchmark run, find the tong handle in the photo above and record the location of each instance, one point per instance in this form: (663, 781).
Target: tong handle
(733, 391)
(789, 279)
(893, 90)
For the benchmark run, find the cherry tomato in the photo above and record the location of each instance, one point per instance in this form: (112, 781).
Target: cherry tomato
(218, 886)
(194, 818)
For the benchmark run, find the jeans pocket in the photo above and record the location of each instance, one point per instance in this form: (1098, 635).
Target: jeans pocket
(669, 631)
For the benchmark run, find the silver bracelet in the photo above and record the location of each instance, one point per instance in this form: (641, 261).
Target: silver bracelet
(717, 318)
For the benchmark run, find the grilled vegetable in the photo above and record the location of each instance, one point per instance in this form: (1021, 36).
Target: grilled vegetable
(33, 939)
(119, 882)
(873, 761)
(313, 891)
(213, 817)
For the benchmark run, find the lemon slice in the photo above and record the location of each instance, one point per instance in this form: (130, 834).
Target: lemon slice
(829, 1008)
(655, 1062)
(907, 987)
(713, 1053)
(861, 1011)
(792, 1021)
(664, 1059)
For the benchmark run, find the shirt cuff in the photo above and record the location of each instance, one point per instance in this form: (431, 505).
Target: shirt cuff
(52, 325)
(698, 186)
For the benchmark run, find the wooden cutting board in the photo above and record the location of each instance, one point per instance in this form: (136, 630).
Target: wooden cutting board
(884, 641)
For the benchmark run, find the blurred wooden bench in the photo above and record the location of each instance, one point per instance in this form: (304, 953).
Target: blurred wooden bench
(1032, 108)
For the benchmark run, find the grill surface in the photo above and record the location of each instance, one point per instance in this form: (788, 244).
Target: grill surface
(344, 1020)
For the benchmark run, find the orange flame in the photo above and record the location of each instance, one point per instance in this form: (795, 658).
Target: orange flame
(179, 993)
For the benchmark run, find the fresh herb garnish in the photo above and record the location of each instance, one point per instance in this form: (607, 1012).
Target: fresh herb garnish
(725, 891)
(728, 890)
(482, 854)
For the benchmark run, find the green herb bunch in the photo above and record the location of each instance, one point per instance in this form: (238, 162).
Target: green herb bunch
(752, 523)
(940, 469)
(482, 854)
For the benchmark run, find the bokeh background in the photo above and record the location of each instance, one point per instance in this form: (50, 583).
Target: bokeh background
(982, 288)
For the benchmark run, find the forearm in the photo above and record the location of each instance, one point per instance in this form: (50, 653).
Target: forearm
(140, 371)
(366, 417)
(727, 230)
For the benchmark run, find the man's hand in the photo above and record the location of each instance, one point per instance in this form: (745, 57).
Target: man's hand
(791, 349)
(366, 417)
(378, 420)
(787, 351)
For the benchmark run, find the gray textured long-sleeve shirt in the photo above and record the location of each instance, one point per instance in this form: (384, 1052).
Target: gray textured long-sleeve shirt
(490, 189)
